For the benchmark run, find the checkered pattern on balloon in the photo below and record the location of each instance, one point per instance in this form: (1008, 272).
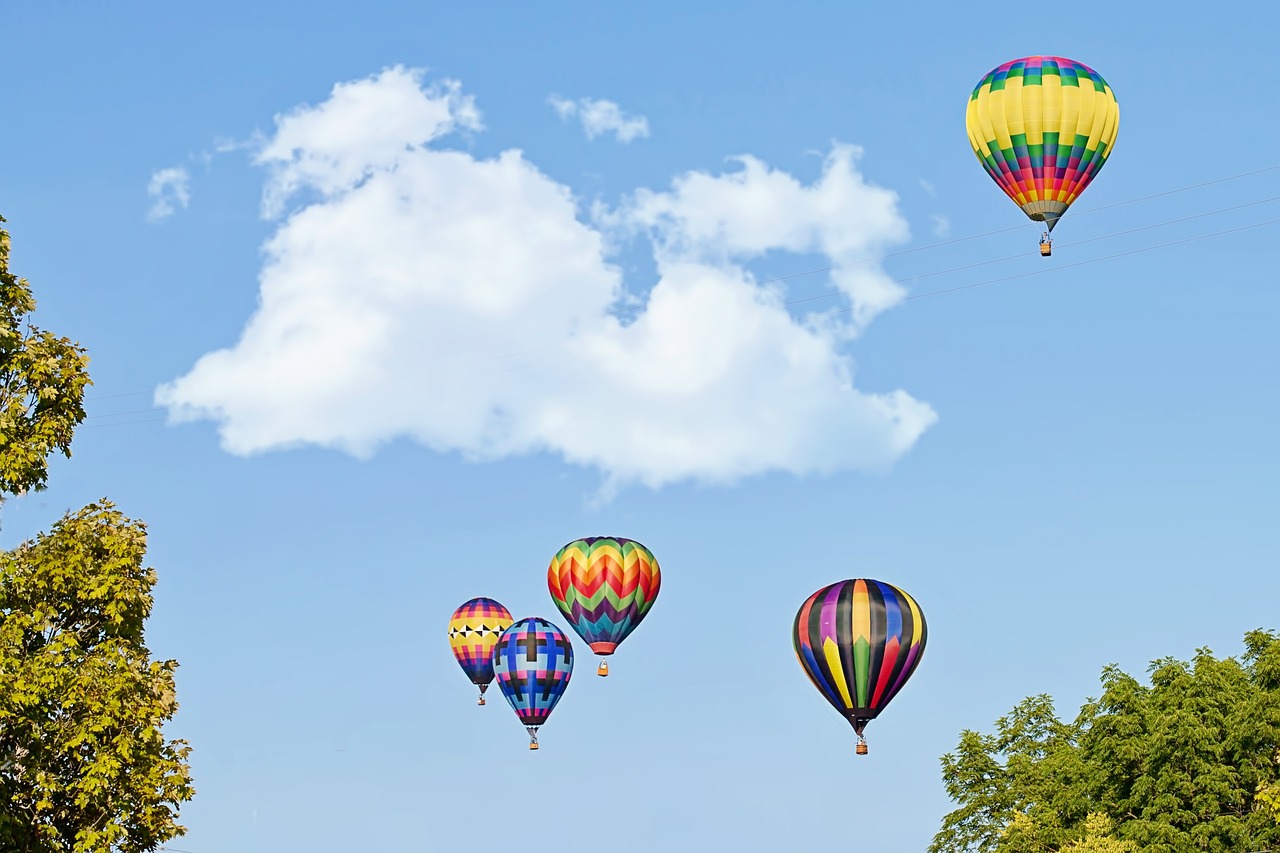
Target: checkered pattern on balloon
(533, 663)
(474, 630)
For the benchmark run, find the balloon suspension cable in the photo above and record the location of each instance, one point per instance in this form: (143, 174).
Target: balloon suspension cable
(533, 736)
(603, 669)
(862, 746)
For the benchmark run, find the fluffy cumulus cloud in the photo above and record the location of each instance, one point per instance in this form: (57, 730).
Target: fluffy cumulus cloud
(601, 117)
(171, 189)
(718, 220)
(411, 289)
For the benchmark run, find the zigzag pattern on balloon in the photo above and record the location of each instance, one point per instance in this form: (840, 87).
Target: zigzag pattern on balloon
(604, 586)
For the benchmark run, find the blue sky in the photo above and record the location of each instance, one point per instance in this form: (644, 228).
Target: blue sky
(501, 314)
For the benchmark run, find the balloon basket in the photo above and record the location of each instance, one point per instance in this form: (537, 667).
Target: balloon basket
(533, 744)
(603, 669)
(862, 747)
(480, 701)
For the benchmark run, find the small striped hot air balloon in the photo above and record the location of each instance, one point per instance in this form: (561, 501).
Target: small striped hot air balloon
(859, 640)
(1042, 127)
(605, 587)
(474, 629)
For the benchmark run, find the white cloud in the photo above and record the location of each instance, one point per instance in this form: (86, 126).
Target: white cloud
(941, 225)
(415, 291)
(719, 219)
(601, 117)
(169, 187)
(364, 129)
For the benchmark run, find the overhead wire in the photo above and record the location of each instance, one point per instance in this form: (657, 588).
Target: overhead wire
(910, 297)
(1085, 262)
(1022, 255)
(1022, 226)
(1055, 267)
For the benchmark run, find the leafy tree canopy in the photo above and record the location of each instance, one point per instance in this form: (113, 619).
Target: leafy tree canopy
(84, 766)
(1186, 763)
(42, 383)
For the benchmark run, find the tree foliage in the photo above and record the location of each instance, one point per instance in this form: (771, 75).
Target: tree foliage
(84, 766)
(42, 383)
(1184, 763)
(81, 701)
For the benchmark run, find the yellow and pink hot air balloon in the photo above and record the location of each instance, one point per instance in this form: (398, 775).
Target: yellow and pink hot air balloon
(1042, 127)
(474, 629)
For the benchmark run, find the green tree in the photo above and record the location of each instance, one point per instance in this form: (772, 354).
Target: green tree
(42, 382)
(84, 766)
(1025, 833)
(81, 701)
(1183, 764)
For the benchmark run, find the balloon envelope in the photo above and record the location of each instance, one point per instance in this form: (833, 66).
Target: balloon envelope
(859, 640)
(474, 630)
(533, 662)
(604, 586)
(1042, 127)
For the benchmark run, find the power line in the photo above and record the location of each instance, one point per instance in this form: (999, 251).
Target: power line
(1083, 263)
(1020, 255)
(122, 414)
(124, 423)
(118, 396)
(836, 311)
(989, 262)
(1022, 226)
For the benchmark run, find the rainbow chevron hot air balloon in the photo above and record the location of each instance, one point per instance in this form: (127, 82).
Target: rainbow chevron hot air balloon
(474, 629)
(1042, 127)
(859, 641)
(533, 662)
(604, 586)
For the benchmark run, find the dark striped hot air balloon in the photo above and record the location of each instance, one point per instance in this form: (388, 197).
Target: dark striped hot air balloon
(859, 641)
(604, 586)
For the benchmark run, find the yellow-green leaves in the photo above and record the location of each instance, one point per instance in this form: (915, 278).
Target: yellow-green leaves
(84, 766)
(82, 703)
(42, 383)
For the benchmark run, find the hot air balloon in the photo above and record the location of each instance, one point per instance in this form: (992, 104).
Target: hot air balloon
(1043, 126)
(474, 629)
(604, 586)
(859, 641)
(533, 662)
